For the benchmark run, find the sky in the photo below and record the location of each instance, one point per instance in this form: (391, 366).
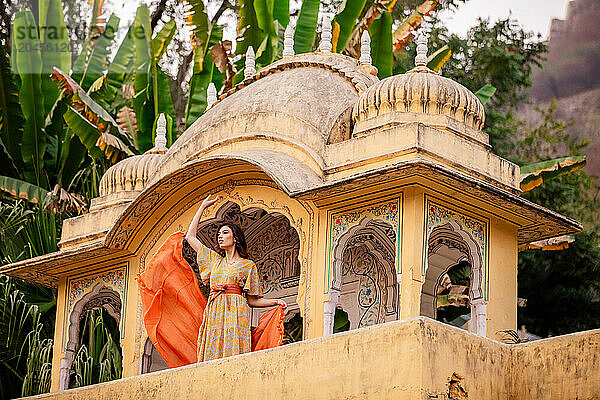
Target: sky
(534, 15)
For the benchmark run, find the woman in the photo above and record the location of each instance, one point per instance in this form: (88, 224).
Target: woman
(234, 286)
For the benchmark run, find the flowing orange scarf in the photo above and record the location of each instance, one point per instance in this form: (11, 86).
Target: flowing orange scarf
(173, 305)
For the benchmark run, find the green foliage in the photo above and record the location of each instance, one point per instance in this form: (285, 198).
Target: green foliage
(293, 329)
(306, 26)
(26, 231)
(346, 20)
(501, 54)
(341, 322)
(438, 58)
(99, 357)
(381, 44)
(562, 288)
(25, 344)
(31, 97)
(485, 93)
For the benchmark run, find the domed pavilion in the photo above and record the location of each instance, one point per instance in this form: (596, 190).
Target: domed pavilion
(358, 198)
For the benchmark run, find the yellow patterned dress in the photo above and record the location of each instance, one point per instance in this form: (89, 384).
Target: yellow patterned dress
(225, 329)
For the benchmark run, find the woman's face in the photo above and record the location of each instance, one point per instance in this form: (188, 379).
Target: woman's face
(225, 237)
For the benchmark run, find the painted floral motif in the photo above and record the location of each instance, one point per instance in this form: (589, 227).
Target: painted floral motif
(478, 230)
(340, 223)
(114, 279)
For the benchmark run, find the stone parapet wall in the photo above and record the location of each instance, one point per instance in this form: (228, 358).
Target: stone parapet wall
(414, 359)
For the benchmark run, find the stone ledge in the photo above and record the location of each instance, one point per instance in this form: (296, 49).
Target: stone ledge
(414, 359)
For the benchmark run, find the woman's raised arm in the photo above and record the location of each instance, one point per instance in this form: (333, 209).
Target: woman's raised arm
(190, 236)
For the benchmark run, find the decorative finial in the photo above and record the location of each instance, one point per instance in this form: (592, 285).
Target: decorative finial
(365, 48)
(211, 95)
(288, 41)
(325, 46)
(250, 66)
(160, 141)
(421, 58)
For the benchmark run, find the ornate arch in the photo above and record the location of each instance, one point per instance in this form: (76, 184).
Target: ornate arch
(101, 296)
(377, 235)
(447, 227)
(298, 212)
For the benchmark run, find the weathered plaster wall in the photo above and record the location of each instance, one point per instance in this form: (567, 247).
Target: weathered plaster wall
(563, 367)
(413, 359)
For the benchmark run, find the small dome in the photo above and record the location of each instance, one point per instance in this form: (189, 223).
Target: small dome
(420, 91)
(130, 174)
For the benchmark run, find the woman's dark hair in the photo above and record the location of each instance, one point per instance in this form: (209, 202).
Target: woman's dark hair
(238, 237)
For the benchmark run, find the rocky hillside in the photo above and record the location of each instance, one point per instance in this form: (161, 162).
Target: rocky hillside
(571, 74)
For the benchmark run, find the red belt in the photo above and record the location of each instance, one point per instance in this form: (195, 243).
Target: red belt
(227, 289)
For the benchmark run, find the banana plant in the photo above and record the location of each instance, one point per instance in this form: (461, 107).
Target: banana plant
(99, 358)
(34, 142)
(534, 175)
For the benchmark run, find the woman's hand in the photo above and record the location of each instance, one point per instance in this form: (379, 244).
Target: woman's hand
(208, 202)
(281, 303)
(190, 236)
(255, 301)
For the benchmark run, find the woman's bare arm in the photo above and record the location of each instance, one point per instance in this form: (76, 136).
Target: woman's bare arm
(190, 236)
(259, 302)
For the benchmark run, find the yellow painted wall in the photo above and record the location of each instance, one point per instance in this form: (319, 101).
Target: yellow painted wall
(59, 333)
(502, 304)
(413, 359)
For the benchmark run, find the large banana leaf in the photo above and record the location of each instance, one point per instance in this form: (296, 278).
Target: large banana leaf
(162, 39)
(281, 12)
(119, 68)
(377, 7)
(31, 97)
(264, 15)
(55, 40)
(485, 93)
(249, 34)
(96, 129)
(381, 44)
(438, 58)
(306, 27)
(72, 154)
(198, 19)
(346, 20)
(93, 60)
(152, 94)
(203, 73)
(271, 47)
(22, 190)
(11, 119)
(533, 175)
(405, 31)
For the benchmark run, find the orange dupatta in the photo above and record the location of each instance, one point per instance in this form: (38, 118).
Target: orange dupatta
(173, 305)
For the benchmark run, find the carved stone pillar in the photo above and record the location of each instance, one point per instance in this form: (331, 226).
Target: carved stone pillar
(329, 311)
(479, 317)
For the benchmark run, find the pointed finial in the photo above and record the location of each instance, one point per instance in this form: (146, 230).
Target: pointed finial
(365, 48)
(325, 46)
(211, 95)
(160, 141)
(250, 66)
(421, 58)
(288, 41)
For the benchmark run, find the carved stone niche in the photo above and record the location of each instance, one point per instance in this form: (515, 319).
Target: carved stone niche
(101, 296)
(369, 291)
(273, 245)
